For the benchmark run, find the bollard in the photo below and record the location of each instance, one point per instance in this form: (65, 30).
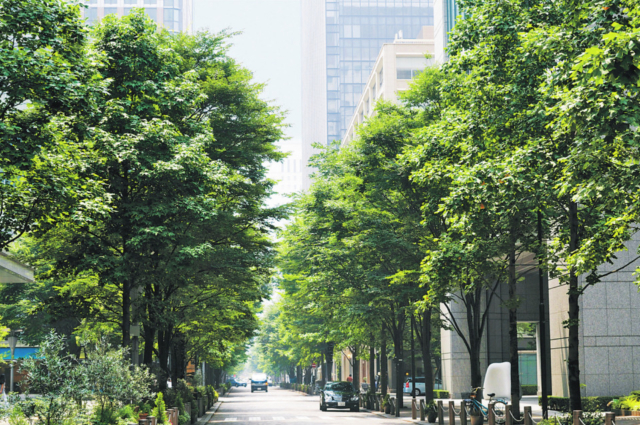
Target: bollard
(143, 422)
(452, 413)
(152, 420)
(392, 406)
(492, 414)
(414, 410)
(463, 413)
(528, 420)
(507, 415)
(423, 408)
(440, 413)
(577, 414)
(609, 417)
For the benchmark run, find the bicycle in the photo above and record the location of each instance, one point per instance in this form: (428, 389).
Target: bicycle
(499, 407)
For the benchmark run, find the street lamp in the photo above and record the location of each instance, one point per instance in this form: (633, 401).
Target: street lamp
(13, 341)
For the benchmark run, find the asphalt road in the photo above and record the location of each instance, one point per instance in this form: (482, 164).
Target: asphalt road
(278, 406)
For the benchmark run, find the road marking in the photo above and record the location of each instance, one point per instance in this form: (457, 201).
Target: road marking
(278, 418)
(254, 418)
(230, 419)
(302, 418)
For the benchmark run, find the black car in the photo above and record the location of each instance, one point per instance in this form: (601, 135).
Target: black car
(339, 395)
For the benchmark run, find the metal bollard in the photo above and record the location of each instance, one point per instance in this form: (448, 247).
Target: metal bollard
(440, 413)
(609, 417)
(527, 416)
(452, 413)
(507, 415)
(492, 414)
(423, 409)
(414, 410)
(577, 414)
(463, 413)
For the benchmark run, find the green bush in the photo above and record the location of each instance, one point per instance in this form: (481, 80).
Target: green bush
(127, 412)
(440, 394)
(630, 402)
(529, 389)
(184, 419)
(160, 411)
(589, 404)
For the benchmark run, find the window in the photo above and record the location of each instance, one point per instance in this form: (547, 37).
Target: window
(110, 10)
(110, 2)
(152, 12)
(409, 67)
(373, 91)
(130, 1)
(150, 1)
(380, 75)
(127, 10)
(92, 16)
(172, 19)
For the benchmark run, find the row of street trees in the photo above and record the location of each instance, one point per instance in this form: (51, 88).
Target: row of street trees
(134, 181)
(524, 142)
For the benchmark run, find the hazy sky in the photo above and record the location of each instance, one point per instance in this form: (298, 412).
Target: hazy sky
(269, 45)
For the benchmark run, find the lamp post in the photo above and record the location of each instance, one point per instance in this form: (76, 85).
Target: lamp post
(13, 341)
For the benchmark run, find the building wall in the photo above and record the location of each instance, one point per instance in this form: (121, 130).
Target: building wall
(609, 331)
(314, 81)
(175, 15)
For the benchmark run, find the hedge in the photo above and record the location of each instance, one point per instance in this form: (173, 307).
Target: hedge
(589, 404)
(440, 394)
(529, 389)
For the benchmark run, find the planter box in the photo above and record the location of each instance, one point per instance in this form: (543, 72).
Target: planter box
(626, 412)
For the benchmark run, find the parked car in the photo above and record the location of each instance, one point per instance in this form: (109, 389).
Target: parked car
(339, 395)
(259, 382)
(235, 383)
(420, 386)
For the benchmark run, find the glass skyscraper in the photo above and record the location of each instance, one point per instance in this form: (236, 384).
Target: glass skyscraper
(355, 33)
(174, 15)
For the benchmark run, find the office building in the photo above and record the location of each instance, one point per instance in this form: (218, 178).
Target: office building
(341, 40)
(174, 15)
(396, 65)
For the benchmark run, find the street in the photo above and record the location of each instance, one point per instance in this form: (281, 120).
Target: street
(284, 407)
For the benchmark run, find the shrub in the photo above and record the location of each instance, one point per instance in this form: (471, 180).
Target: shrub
(127, 412)
(160, 411)
(589, 404)
(144, 407)
(441, 394)
(184, 419)
(529, 389)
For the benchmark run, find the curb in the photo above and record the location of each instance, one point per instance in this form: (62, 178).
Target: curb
(209, 414)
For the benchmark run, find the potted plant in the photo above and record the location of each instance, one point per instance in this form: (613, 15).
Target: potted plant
(386, 405)
(144, 410)
(432, 412)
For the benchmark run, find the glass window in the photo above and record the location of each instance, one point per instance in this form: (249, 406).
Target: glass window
(404, 74)
(127, 10)
(92, 15)
(150, 1)
(93, 2)
(110, 10)
(130, 1)
(110, 2)
(169, 3)
(152, 12)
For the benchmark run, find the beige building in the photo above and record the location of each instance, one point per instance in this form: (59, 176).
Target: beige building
(396, 65)
(175, 15)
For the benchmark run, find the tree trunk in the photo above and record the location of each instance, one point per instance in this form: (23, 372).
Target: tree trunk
(298, 374)
(355, 363)
(307, 375)
(513, 329)
(126, 313)
(574, 316)
(475, 337)
(399, 353)
(178, 358)
(149, 340)
(425, 345)
(384, 373)
(372, 366)
(329, 359)
(164, 345)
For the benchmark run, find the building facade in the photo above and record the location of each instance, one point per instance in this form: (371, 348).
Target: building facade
(174, 15)
(341, 40)
(396, 64)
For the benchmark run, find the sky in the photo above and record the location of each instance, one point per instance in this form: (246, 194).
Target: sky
(269, 46)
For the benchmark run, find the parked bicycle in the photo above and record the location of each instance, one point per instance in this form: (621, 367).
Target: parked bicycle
(499, 407)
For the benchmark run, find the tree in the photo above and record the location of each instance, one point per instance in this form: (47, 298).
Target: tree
(47, 77)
